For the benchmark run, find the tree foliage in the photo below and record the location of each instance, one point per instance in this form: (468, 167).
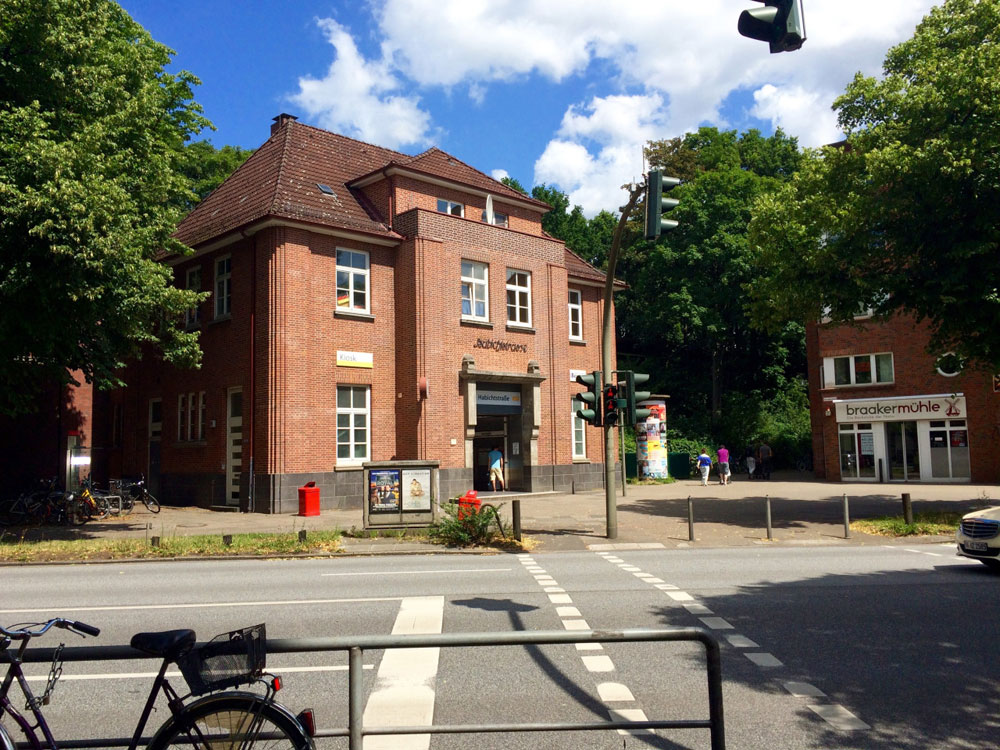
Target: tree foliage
(684, 317)
(904, 217)
(207, 167)
(92, 133)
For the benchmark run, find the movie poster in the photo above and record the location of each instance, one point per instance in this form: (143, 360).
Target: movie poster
(384, 491)
(417, 489)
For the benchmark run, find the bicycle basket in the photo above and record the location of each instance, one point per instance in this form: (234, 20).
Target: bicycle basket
(228, 660)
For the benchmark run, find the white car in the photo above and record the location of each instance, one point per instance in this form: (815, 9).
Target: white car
(978, 537)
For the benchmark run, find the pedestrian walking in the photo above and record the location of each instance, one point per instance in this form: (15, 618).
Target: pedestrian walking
(724, 472)
(766, 457)
(495, 458)
(704, 466)
(751, 458)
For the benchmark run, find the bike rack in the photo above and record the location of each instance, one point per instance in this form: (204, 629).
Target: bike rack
(356, 646)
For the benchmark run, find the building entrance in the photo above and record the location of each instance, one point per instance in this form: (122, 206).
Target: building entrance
(491, 432)
(903, 452)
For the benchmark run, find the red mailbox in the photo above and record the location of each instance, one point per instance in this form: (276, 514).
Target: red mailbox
(468, 504)
(309, 499)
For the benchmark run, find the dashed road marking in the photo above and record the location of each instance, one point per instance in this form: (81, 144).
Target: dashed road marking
(680, 596)
(838, 717)
(614, 691)
(764, 660)
(803, 690)
(716, 623)
(741, 641)
(598, 663)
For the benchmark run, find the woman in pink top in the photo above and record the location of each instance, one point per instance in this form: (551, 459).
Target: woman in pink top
(724, 472)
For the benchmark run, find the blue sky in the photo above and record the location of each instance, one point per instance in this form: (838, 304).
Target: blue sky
(557, 91)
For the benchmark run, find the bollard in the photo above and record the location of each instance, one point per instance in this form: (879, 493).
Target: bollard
(847, 519)
(515, 512)
(907, 509)
(155, 541)
(690, 519)
(227, 539)
(767, 509)
(302, 535)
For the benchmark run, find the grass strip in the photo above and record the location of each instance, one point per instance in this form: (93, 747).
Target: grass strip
(924, 524)
(249, 545)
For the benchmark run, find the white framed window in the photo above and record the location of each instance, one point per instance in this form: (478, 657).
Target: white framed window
(192, 281)
(579, 432)
(223, 286)
(518, 298)
(499, 219)
(475, 290)
(353, 409)
(575, 315)
(201, 416)
(182, 413)
(450, 207)
(352, 280)
(858, 369)
(192, 421)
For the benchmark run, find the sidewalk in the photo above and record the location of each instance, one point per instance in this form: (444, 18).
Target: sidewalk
(804, 511)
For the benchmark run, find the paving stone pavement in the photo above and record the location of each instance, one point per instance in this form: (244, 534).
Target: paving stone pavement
(804, 511)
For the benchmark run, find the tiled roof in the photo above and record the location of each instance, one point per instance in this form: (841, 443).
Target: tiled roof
(578, 268)
(280, 180)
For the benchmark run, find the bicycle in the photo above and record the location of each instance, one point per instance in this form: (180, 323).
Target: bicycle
(227, 719)
(89, 503)
(138, 491)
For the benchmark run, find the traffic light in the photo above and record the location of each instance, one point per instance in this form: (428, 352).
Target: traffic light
(592, 410)
(657, 205)
(780, 23)
(626, 385)
(610, 405)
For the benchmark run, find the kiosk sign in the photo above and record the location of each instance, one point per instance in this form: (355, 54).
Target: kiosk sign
(893, 409)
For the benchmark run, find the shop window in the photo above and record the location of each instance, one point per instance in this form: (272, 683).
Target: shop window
(575, 315)
(352, 281)
(450, 207)
(857, 451)
(499, 219)
(223, 286)
(353, 408)
(579, 432)
(192, 316)
(949, 449)
(475, 285)
(518, 298)
(862, 369)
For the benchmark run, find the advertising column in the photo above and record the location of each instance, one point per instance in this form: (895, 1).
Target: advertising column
(651, 441)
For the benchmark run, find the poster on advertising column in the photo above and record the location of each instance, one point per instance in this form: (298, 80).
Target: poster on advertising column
(384, 491)
(417, 489)
(651, 441)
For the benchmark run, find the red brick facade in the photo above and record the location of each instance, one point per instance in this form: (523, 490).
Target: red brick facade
(900, 429)
(423, 366)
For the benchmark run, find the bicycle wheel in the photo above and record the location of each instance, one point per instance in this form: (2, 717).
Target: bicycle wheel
(232, 720)
(150, 502)
(6, 741)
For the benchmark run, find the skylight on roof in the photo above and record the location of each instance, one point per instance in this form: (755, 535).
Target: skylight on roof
(325, 189)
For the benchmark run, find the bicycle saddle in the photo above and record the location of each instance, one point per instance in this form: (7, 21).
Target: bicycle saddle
(167, 643)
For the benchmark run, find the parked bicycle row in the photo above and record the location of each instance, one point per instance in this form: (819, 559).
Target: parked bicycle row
(50, 506)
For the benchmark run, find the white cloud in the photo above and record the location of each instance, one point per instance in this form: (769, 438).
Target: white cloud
(356, 97)
(665, 68)
(499, 174)
(797, 111)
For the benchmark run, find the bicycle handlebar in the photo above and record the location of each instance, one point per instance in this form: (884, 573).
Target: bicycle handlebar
(32, 630)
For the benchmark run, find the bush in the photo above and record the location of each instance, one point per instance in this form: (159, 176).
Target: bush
(464, 526)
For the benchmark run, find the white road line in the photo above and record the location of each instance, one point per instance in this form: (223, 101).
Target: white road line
(151, 675)
(568, 612)
(560, 598)
(741, 641)
(803, 690)
(419, 572)
(598, 663)
(201, 605)
(680, 596)
(404, 687)
(630, 714)
(839, 717)
(764, 660)
(698, 609)
(614, 691)
(575, 625)
(716, 623)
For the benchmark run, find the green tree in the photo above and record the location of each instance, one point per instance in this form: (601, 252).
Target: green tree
(207, 167)
(684, 317)
(905, 217)
(92, 131)
(513, 182)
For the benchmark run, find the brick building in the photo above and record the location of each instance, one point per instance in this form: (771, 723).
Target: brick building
(365, 306)
(884, 410)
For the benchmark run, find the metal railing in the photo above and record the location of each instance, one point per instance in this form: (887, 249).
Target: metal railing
(356, 646)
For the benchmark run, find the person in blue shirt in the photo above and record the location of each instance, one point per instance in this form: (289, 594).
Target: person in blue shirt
(704, 466)
(495, 458)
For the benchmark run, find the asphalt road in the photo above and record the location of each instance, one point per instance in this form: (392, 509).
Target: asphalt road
(896, 645)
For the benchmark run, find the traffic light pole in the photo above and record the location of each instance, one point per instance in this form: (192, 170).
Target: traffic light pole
(607, 333)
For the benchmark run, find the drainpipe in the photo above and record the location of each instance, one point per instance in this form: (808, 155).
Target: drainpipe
(253, 367)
